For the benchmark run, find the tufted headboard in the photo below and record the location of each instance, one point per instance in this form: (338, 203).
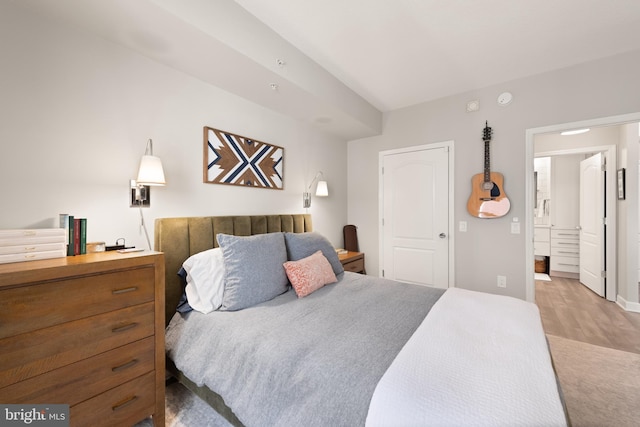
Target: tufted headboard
(179, 238)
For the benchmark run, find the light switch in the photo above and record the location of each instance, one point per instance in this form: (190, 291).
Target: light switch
(463, 226)
(515, 228)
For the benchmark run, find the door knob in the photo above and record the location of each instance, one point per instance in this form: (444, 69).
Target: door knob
(442, 235)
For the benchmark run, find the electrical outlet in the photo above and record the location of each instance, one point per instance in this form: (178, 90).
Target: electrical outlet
(502, 281)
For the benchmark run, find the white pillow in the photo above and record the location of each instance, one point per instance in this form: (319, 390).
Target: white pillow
(205, 280)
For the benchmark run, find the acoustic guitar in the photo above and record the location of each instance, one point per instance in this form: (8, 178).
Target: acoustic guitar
(488, 199)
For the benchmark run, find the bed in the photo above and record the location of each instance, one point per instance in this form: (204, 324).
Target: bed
(356, 350)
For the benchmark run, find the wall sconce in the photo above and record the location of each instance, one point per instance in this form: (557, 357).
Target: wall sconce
(321, 190)
(150, 173)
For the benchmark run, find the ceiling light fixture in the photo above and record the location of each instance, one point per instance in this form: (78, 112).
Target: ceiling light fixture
(574, 132)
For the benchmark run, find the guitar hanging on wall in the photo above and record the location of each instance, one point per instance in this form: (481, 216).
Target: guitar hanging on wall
(488, 199)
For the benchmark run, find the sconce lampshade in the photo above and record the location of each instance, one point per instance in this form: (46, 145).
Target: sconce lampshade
(150, 171)
(321, 189)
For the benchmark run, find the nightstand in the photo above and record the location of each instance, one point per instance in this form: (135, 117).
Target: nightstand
(353, 261)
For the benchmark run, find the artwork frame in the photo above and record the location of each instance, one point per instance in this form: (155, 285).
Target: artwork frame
(621, 175)
(232, 159)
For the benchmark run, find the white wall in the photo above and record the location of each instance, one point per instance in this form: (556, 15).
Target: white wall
(628, 214)
(598, 89)
(77, 111)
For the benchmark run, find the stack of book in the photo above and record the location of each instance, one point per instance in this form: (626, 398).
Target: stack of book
(29, 245)
(76, 232)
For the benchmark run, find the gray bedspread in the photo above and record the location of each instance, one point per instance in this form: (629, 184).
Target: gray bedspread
(312, 361)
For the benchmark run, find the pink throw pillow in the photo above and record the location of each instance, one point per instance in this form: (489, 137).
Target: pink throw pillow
(309, 274)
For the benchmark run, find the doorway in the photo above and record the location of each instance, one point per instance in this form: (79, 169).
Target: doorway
(575, 209)
(415, 231)
(611, 191)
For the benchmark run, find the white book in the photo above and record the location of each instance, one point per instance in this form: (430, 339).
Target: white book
(33, 236)
(36, 247)
(32, 256)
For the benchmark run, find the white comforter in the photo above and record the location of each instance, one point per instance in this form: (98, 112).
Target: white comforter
(477, 360)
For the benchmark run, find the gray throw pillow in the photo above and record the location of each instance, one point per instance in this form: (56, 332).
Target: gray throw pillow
(302, 245)
(254, 271)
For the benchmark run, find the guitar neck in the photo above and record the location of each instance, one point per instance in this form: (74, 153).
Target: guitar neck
(487, 160)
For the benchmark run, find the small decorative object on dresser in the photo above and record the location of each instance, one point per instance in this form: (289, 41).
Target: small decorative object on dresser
(352, 261)
(88, 332)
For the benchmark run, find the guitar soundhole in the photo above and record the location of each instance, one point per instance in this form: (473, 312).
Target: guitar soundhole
(494, 190)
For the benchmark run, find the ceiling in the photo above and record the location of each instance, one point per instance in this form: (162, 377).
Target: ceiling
(338, 64)
(397, 53)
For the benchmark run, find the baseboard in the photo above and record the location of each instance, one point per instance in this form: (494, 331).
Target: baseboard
(628, 306)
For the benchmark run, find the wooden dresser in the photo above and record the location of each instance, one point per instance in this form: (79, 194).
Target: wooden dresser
(87, 331)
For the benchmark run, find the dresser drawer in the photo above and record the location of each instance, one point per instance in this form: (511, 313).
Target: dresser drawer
(565, 234)
(34, 353)
(566, 244)
(28, 308)
(72, 384)
(567, 264)
(541, 248)
(356, 266)
(541, 234)
(124, 405)
(568, 251)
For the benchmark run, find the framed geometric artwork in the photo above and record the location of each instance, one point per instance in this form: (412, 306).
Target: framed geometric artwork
(237, 160)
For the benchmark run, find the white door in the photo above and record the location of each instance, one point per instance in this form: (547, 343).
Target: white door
(415, 209)
(592, 227)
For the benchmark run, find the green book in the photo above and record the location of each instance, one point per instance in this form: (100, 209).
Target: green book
(70, 245)
(83, 235)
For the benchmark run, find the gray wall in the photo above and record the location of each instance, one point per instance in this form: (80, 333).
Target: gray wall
(593, 90)
(77, 111)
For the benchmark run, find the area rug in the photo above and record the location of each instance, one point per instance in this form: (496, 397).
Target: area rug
(185, 409)
(601, 386)
(542, 276)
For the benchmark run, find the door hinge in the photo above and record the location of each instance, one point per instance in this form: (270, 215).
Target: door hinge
(603, 274)
(383, 170)
(383, 272)
(383, 222)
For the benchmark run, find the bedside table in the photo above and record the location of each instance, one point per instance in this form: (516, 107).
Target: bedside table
(353, 261)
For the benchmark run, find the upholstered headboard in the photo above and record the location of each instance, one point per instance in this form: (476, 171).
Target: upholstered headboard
(179, 238)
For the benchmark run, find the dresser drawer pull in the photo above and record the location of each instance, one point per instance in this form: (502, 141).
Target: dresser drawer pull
(125, 403)
(125, 366)
(125, 290)
(124, 328)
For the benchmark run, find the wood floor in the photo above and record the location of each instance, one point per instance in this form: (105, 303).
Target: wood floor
(570, 310)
